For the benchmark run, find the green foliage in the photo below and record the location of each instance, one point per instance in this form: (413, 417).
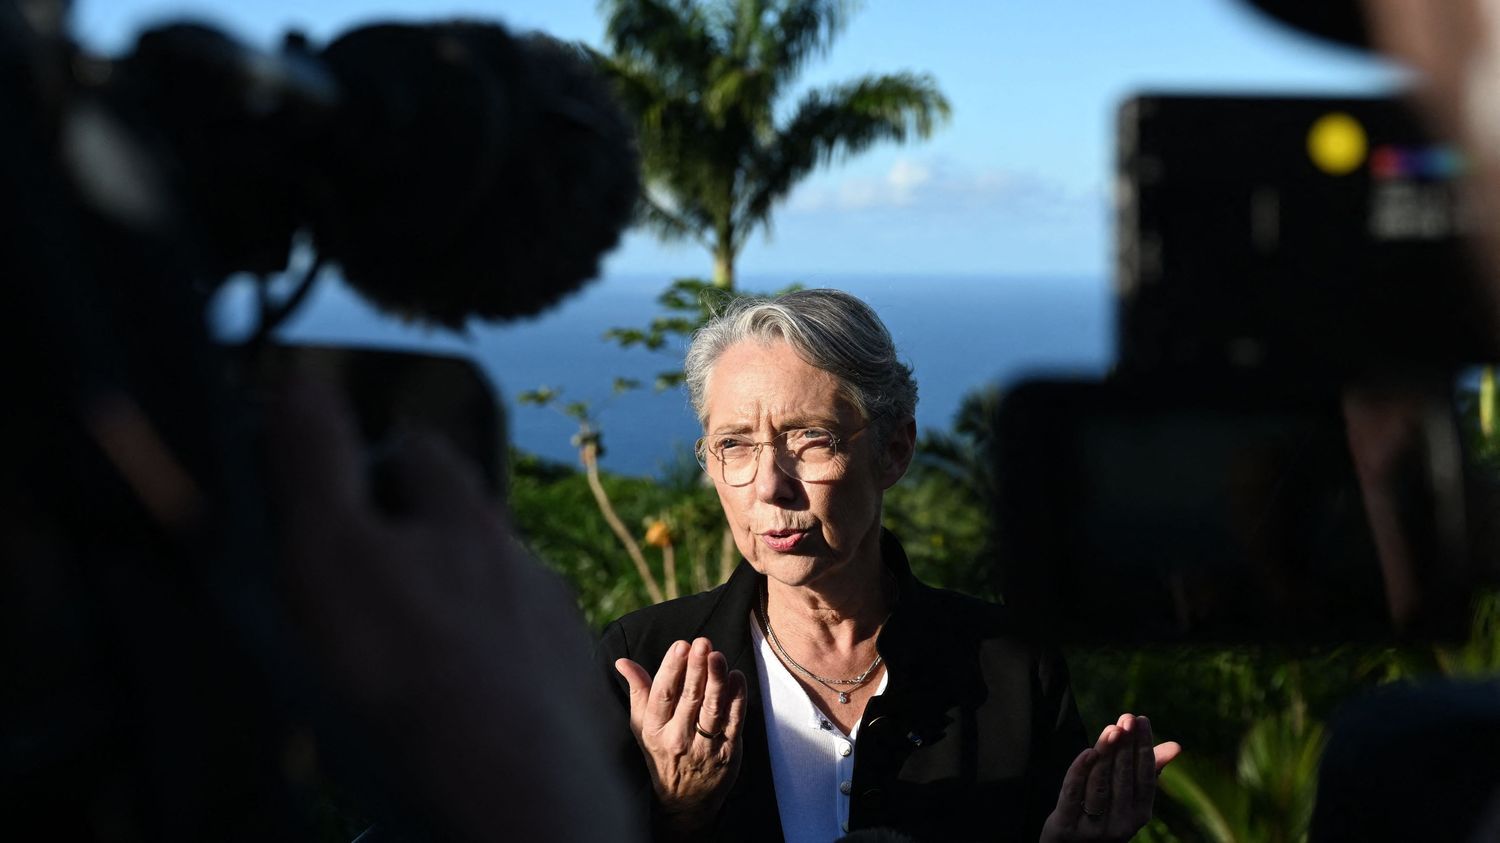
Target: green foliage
(942, 508)
(539, 397)
(689, 303)
(943, 525)
(1156, 831)
(1266, 797)
(556, 515)
(579, 411)
(1477, 423)
(1480, 655)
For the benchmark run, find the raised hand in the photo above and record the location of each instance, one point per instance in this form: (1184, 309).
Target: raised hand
(688, 721)
(1109, 789)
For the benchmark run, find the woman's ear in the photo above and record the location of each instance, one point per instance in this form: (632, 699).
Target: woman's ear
(900, 448)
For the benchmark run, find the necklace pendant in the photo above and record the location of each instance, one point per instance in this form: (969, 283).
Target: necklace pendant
(843, 697)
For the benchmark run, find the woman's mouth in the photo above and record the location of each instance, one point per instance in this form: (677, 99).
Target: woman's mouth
(782, 541)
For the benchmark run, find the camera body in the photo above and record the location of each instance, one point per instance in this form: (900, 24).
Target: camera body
(1306, 240)
(1275, 456)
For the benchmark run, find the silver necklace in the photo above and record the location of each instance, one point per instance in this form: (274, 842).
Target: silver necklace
(826, 682)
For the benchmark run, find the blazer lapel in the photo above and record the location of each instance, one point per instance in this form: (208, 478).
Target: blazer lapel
(750, 811)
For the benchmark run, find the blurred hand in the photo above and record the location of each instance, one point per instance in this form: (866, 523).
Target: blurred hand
(1108, 791)
(464, 659)
(693, 693)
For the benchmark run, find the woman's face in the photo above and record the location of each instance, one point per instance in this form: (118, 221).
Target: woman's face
(796, 531)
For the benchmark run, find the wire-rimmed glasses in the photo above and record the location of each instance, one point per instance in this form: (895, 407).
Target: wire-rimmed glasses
(813, 454)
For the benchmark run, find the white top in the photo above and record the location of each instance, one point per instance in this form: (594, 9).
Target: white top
(812, 760)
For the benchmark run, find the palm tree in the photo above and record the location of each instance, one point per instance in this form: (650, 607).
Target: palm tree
(704, 79)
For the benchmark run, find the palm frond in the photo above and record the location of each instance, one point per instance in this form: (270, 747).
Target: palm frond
(666, 223)
(1215, 801)
(802, 29)
(738, 92)
(744, 25)
(637, 88)
(672, 38)
(842, 121)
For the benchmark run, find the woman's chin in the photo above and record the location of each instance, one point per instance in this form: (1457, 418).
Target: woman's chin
(793, 569)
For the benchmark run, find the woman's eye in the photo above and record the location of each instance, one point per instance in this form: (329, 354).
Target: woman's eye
(729, 446)
(813, 436)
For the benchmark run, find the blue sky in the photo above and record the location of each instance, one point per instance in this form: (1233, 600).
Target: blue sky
(1017, 183)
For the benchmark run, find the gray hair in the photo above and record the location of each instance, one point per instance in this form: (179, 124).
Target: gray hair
(830, 330)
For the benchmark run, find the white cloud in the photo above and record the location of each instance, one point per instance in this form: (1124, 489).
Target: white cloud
(905, 178)
(940, 186)
(899, 186)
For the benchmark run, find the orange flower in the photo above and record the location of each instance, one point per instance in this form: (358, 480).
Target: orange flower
(659, 534)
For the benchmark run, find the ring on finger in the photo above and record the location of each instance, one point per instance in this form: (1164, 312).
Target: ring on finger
(1094, 815)
(706, 733)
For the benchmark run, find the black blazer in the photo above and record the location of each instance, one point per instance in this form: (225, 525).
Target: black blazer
(970, 740)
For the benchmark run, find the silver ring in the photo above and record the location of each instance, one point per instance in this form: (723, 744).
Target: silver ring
(1093, 816)
(707, 734)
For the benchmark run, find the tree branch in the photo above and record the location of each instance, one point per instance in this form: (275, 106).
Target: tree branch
(590, 454)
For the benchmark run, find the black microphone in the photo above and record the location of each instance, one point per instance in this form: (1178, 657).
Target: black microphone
(469, 172)
(451, 170)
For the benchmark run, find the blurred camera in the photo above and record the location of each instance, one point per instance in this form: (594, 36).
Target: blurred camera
(154, 686)
(1276, 455)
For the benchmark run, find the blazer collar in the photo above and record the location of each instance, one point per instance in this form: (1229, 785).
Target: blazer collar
(910, 642)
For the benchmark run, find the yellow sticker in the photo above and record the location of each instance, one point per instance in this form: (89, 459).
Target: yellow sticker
(1337, 144)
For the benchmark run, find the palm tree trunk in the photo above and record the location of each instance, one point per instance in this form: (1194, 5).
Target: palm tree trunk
(723, 270)
(724, 251)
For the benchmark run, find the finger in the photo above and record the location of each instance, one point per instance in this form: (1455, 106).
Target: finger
(716, 698)
(1145, 768)
(1096, 796)
(739, 693)
(1075, 781)
(695, 680)
(1105, 737)
(640, 689)
(665, 688)
(1123, 797)
(1166, 753)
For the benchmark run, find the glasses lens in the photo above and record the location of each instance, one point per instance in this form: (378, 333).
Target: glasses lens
(809, 454)
(730, 458)
(806, 454)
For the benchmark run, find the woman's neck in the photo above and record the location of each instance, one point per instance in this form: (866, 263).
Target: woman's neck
(838, 617)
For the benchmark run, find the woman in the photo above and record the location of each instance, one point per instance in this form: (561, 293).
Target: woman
(845, 694)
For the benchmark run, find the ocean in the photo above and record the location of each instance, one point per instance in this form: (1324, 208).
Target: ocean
(958, 333)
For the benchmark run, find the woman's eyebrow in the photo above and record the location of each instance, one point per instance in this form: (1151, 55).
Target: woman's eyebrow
(796, 422)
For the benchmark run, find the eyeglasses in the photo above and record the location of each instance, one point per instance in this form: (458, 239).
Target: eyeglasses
(805, 453)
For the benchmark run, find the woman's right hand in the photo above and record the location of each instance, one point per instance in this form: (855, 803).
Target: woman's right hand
(693, 693)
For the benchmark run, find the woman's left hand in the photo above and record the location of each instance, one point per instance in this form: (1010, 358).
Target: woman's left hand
(1108, 791)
